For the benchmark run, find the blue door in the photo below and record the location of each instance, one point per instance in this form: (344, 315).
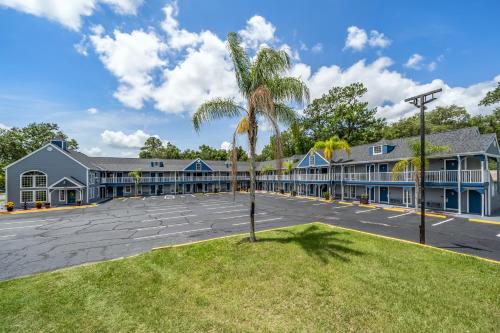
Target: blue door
(71, 199)
(384, 194)
(372, 194)
(451, 165)
(474, 202)
(451, 199)
(119, 191)
(152, 190)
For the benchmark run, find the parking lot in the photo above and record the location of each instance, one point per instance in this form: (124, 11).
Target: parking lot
(45, 241)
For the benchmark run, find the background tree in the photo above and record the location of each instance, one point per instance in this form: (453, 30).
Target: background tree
(492, 97)
(413, 163)
(293, 142)
(16, 142)
(263, 85)
(342, 112)
(152, 148)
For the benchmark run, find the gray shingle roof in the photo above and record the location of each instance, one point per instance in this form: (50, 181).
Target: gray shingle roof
(462, 141)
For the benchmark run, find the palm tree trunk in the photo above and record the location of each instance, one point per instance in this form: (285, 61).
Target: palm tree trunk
(252, 136)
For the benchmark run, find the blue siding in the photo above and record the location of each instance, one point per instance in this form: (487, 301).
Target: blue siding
(319, 161)
(192, 166)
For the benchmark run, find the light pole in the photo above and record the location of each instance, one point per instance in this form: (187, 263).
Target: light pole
(419, 101)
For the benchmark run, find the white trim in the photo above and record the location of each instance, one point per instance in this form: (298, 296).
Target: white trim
(198, 160)
(381, 150)
(34, 181)
(59, 196)
(68, 179)
(306, 155)
(22, 158)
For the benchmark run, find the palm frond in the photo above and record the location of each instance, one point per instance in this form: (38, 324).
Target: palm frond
(285, 114)
(241, 62)
(289, 89)
(268, 64)
(400, 166)
(261, 100)
(242, 126)
(216, 109)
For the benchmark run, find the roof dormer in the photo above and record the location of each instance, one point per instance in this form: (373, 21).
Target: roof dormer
(380, 149)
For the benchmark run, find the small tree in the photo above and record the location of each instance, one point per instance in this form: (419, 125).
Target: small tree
(288, 168)
(414, 162)
(330, 146)
(136, 175)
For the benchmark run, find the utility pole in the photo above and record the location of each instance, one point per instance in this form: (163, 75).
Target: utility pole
(419, 101)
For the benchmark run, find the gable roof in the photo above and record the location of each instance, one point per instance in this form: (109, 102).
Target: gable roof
(66, 182)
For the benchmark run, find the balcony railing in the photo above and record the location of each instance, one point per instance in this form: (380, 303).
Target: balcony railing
(118, 180)
(442, 176)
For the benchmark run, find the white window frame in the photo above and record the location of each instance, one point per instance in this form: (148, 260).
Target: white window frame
(40, 191)
(62, 196)
(129, 189)
(27, 201)
(198, 166)
(35, 179)
(312, 159)
(380, 152)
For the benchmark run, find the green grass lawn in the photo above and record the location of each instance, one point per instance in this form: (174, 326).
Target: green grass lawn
(308, 278)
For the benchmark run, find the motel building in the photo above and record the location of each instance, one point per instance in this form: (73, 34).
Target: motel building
(457, 181)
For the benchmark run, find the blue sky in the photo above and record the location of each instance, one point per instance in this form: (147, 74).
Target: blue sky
(113, 72)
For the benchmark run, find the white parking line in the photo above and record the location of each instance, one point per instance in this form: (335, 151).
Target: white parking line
(144, 198)
(215, 204)
(167, 208)
(391, 217)
(235, 217)
(368, 222)
(365, 211)
(224, 207)
(498, 235)
(5, 236)
(229, 211)
(321, 203)
(338, 207)
(29, 221)
(448, 220)
(260, 221)
(171, 211)
(162, 226)
(171, 233)
(169, 218)
(26, 226)
(330, 217)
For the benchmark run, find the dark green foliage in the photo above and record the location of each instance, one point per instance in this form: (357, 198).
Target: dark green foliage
(16, 142)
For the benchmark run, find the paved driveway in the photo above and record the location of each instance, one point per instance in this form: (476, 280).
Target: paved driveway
(45, 241)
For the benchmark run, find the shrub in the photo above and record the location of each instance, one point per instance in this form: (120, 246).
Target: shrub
(9, 206)
(282, 191)
(79, 202)
(216, 190)
(294, 193)
(47, 205)
(326, 195)
(38, 204)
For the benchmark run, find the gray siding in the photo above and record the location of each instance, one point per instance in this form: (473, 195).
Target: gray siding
(54, 163)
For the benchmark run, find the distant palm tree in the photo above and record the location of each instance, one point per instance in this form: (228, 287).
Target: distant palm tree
(330, 146)
(288, 168)
(262, 83)
(414, 162)
(136, 175)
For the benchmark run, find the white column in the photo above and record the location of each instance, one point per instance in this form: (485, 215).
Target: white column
(482, 203)
(342, 182)
(444, 199)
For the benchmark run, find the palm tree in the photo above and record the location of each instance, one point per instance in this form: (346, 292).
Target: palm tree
(263, 85)
(330, 146)
(136, 175)
(288, 168)
(414, 162)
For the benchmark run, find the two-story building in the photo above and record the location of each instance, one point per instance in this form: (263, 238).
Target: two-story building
(456, 180)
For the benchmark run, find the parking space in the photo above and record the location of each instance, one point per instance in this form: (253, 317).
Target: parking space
(44, 241)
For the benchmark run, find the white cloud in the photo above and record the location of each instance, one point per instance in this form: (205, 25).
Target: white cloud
(131, 57)
(258, 30)
(3, 126)
(82, 46)
(69, 12)
(121, 140)
(357, 39)
(432, 66)
(317, 48)
(388, 88)
(378, 39)
(415, 61)
(177, 38)
(225, 145)
(92, 110)
(94, 151)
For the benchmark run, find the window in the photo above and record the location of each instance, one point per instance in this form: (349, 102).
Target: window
(198, 166)
(62, 195)
(312, 159)
(377, 150)
(33, 179)
(128, 189)
(26, 196)
(41, 196)
(161, 164)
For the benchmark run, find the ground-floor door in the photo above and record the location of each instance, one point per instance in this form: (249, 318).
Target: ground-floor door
(71, 197)
(474, 202)
(371, 193)
(384, 194)
(451, 199)
(119, 191)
